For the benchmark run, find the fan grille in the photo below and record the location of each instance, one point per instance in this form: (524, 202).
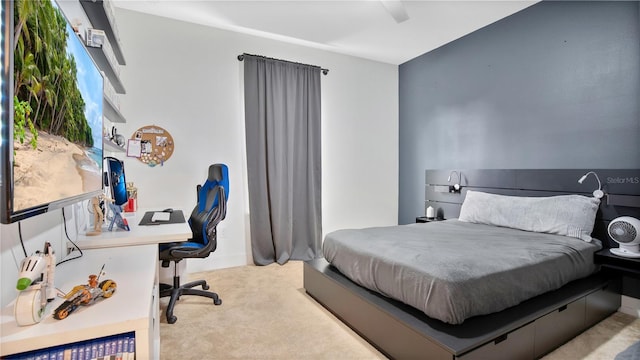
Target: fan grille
(623, 232)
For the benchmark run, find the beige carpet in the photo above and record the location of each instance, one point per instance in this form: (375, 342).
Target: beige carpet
(266, 314)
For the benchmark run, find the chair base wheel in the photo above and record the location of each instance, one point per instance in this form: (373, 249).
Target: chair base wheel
(177, 291)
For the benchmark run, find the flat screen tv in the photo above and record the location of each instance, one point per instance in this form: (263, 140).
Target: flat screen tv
(51, 112)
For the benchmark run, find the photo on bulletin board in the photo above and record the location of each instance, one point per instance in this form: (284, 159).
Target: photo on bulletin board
(134, 148)
(153, 144)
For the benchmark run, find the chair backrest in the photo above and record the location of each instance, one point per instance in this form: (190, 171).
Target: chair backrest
(212, 205)
(207, 197)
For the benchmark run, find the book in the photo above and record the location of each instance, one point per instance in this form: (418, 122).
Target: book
(132, 348)
(119, 348)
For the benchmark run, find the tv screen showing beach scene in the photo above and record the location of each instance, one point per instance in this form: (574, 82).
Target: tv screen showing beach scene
(58, 93)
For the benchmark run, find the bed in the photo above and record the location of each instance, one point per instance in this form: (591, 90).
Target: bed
(422, 291)
(444, 268)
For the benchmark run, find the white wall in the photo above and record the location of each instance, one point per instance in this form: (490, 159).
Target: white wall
(186, 78)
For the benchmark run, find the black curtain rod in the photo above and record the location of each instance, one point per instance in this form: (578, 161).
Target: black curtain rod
(241, 57)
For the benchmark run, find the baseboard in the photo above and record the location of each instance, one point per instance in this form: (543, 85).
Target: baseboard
(214, 262)
(165, 275)
(630, 306)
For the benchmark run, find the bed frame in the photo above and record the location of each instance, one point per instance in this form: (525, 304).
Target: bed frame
(526, 331)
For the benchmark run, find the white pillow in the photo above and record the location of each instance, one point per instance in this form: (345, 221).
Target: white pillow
(568, 215)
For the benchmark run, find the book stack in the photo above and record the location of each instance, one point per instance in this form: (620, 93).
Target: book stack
(116, 347)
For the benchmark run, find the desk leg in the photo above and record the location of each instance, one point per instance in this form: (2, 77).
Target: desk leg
(155, 315)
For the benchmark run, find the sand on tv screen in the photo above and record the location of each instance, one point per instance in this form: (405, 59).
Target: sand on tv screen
(58, 93)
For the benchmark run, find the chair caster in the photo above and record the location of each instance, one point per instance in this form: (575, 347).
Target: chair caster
(205, 286)
(217, 302)
(172, 319)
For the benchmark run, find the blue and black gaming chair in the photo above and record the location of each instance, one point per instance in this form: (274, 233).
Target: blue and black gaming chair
(210, 210)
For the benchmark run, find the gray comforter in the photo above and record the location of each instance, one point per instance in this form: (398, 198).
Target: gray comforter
(454, 270)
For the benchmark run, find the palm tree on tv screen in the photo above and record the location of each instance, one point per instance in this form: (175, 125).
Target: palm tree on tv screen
(45, 73)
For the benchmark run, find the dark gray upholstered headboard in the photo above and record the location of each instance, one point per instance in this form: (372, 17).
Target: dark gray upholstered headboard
(621, 187)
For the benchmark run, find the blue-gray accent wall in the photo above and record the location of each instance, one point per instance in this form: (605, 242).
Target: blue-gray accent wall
(556, 85)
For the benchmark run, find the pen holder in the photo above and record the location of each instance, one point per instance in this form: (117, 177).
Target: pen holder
(131, 205)
(132, 194)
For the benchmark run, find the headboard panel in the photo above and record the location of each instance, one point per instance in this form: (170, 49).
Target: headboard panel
(621, 187)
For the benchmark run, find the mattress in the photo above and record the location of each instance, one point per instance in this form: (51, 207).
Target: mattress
(453, 270)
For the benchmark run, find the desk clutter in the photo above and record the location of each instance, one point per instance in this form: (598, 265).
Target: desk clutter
(36, 289)
(131, 312)
(85, 295)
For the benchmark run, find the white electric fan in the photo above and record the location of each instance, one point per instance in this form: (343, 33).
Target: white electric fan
(625, 230)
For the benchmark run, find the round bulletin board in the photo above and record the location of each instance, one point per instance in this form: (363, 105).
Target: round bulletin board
(156, 144)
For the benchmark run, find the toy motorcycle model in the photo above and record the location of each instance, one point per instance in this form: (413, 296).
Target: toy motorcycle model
(84, 295)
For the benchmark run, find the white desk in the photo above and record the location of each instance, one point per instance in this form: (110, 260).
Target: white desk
(137, 235)
(133, 307)
(131, 260)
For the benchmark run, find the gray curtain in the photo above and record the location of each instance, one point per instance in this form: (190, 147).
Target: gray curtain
(282, 121)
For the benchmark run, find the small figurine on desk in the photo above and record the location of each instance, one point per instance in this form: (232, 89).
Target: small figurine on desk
(35, 283)
(98, 216)
(117, 218)
(85, 295)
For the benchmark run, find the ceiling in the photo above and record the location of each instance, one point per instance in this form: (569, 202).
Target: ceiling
(362, 28)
